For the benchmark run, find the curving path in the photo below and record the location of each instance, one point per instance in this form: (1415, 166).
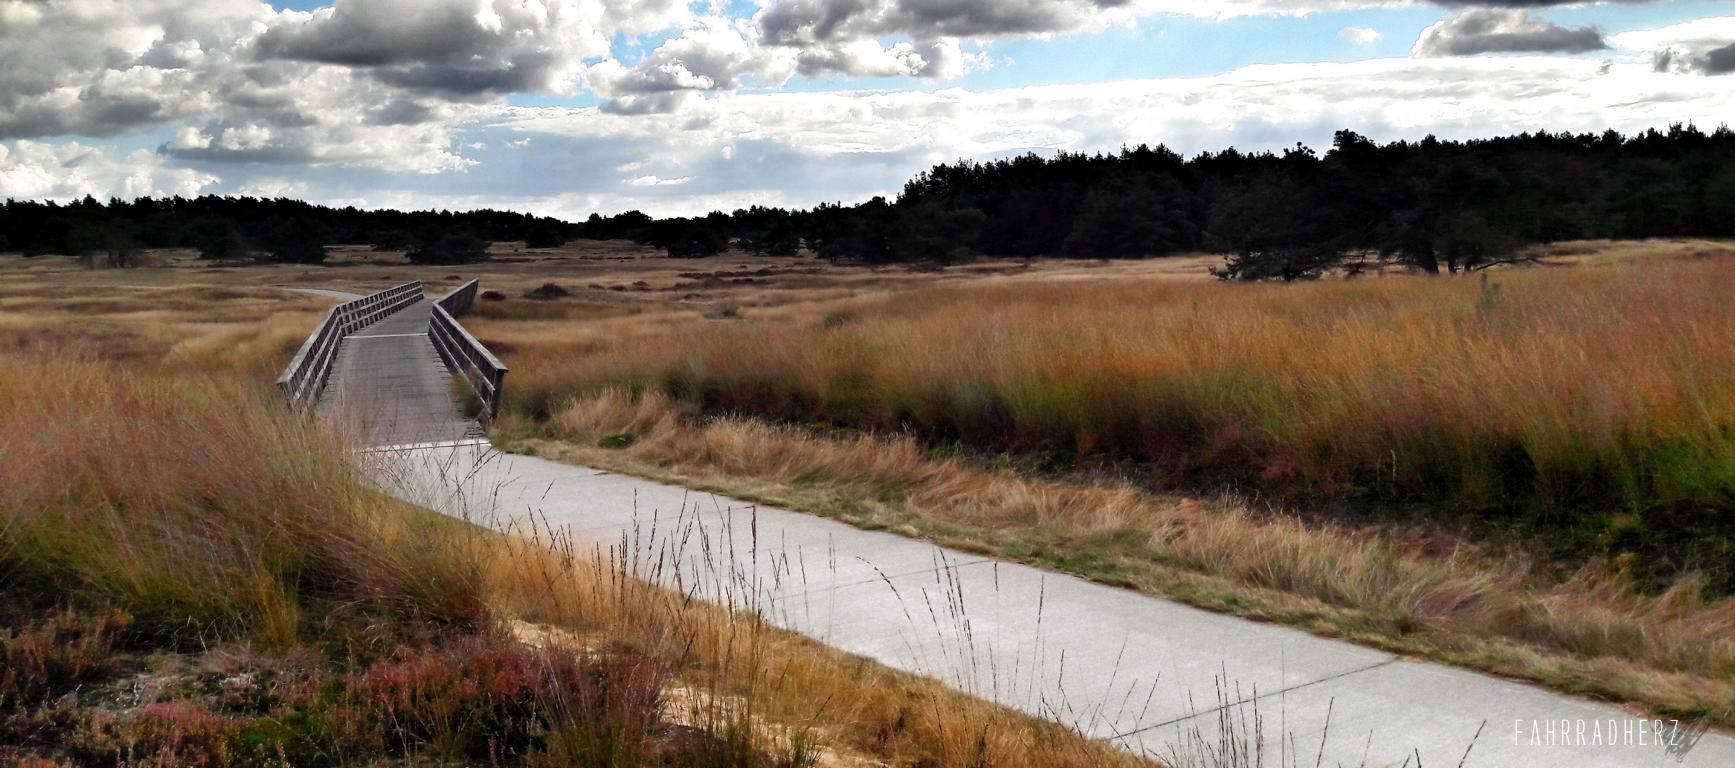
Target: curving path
(1143, 672)
(326, 292)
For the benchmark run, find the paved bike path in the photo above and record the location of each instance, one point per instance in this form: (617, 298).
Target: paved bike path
(1138, 670)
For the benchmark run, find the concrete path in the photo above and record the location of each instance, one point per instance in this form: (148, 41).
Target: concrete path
(1146, 673)
(326, 292)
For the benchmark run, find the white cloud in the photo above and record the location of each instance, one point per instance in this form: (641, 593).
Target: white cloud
(804, 22)
(1360, 35)
(379, 84)
(716, 54)
(274, 187)
(941, 59)
(1684, 48)
(1698, 33)
(655, 181)
(243, 138)
(639, 17)
(104, 67)
(30, 169)
(712, 53)
(286, 113)
(190, 138)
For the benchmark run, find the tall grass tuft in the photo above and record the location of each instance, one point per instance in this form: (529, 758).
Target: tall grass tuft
(205, 512)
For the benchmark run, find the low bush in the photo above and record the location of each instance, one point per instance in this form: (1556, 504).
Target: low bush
(487, 699)
(548, 291)
(46, 656)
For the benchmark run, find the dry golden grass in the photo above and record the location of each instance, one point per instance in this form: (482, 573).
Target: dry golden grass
(1415, 590)
(180, 492)
(1593, 399)
(205, 510)
(186, 319)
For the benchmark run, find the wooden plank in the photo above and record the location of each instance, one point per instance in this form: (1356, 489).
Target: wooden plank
(389, 385)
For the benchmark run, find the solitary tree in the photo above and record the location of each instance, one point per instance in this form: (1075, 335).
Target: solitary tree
(1272, 230)
(111, 246)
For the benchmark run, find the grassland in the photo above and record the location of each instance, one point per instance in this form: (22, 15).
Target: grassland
(1591, 402)
(723, 373)
(190, 575)
(1528, 475)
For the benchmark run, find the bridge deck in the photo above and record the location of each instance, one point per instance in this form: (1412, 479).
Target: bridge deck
(390, 384)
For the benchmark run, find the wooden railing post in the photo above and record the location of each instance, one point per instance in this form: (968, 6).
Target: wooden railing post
(462, 353)
(458, 302)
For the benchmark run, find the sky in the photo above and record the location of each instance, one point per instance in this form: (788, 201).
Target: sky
(569, 107)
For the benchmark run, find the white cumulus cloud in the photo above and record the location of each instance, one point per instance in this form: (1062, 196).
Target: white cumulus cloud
(1360, 35)
(34, 170)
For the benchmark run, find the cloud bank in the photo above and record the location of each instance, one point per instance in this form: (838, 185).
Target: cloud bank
(390, 102)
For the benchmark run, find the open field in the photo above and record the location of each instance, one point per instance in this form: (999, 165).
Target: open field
(1416, 568)
(1590, 403)
(189, 575)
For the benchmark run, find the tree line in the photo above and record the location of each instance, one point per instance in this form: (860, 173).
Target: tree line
(1433, 205)
(266, 229)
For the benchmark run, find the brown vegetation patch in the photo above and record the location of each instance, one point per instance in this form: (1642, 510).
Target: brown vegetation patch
(548, 291)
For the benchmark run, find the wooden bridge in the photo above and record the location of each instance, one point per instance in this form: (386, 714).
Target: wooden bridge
(398, 371)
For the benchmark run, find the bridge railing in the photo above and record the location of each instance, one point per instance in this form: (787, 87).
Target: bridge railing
(464, 354)
(459, 300)
(305, 377)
